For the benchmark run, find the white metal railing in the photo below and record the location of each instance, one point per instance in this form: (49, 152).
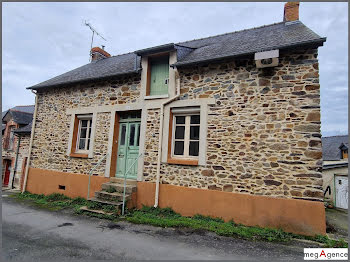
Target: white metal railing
(92, 170)
(133, 163)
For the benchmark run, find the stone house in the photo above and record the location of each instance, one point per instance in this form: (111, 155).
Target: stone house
(226, 126)
(16, 123)
(335, 170)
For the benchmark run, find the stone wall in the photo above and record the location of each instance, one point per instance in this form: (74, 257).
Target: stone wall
(263, 132)
(52, 126)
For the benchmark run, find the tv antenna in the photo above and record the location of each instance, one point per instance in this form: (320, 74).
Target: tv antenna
(93, 34)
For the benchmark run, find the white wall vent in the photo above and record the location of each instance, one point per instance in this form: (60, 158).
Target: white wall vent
(267, 58)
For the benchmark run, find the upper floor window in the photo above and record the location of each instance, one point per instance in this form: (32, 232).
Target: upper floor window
(158, 76)
(10, 138)
(344, 153)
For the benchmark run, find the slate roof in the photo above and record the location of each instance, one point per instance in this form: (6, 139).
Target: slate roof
(275, 36)
(330, 147)
(22, 118)
(24, 130)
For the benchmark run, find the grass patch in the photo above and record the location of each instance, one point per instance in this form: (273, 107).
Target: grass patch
(166, 217)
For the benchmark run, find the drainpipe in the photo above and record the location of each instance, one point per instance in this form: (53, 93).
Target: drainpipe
(31, 142)
(16, 161)
(156, 197)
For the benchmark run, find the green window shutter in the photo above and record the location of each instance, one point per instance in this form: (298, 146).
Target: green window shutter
(159, 76)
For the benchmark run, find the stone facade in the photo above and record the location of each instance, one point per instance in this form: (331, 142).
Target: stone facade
(263, 132)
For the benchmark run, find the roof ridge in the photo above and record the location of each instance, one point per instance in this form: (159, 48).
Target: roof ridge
(12, 110)
(231, 32)
(334, 136)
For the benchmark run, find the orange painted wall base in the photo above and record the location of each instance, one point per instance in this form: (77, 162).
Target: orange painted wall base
(291, 215)
(41, 181)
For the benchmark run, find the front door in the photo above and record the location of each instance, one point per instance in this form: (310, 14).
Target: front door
(7, 172)
(341, 191)
(128, 146)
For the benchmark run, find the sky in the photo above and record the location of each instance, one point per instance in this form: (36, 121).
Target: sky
(42, 40)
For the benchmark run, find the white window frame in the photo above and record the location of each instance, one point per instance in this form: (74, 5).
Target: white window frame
(186, 139)
(88, 133)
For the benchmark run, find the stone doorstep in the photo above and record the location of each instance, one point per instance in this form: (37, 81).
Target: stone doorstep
(121, 181)
(119, 187)
(96, 211)
(117, 204)
(103, 195)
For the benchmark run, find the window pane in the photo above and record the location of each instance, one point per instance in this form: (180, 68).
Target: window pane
(132, 135)
(194, 133)
(195, 119)
(138, 135)
(180, 120)
(83, 133)
(122, 137)
(179, 148)
(84, 123)
(180, 132)
(194, 148)
(88, 144)
(82, 144)
(89, 134)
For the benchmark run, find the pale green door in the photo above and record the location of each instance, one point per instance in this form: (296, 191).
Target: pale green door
(159, 76)
(128, 148)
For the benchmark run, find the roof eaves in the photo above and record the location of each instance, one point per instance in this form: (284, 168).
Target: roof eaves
(318, 41)
(156, 49)
(85, 80)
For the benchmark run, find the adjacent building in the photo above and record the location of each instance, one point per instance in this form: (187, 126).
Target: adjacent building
(335, 170)
(16, 128)
(226, 126)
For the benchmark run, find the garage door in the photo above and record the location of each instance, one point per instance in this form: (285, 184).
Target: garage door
(341, 191)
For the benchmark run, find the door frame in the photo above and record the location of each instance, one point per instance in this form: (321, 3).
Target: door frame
(7, 164)
(115, 141)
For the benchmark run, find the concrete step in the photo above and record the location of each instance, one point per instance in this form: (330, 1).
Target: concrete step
(116, 196)
(96, 211)
(121, 181)
(113, 203)
(119, 187)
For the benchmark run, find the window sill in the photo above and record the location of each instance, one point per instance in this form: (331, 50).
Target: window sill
(79, 155)
(156, 97)
(185, 162)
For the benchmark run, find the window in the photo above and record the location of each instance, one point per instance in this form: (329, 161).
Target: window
(84, 133)
(344, 153)
(11, 138)
(82, 136)
(158, 76)
(185, 137)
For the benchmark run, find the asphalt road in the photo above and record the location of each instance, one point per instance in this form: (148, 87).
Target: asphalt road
(32, 234)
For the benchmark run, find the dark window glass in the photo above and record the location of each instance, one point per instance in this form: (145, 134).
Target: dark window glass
(83, 133)
(84, 123)
(180, 120)
(194, 133)
(122, 137)
(82, 144)
(88, 144)
(132, 135)
(194, 148)
(195, 119)
(138, 135)
(180, 132)
(179, 148)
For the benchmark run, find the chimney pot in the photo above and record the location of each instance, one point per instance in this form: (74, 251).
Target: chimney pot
(98, 53)
(291, 11)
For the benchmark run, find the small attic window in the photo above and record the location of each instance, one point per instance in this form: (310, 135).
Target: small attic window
(344, 153)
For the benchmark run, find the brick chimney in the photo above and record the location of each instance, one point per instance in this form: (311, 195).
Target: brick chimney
(291, 11)
(98, 54)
